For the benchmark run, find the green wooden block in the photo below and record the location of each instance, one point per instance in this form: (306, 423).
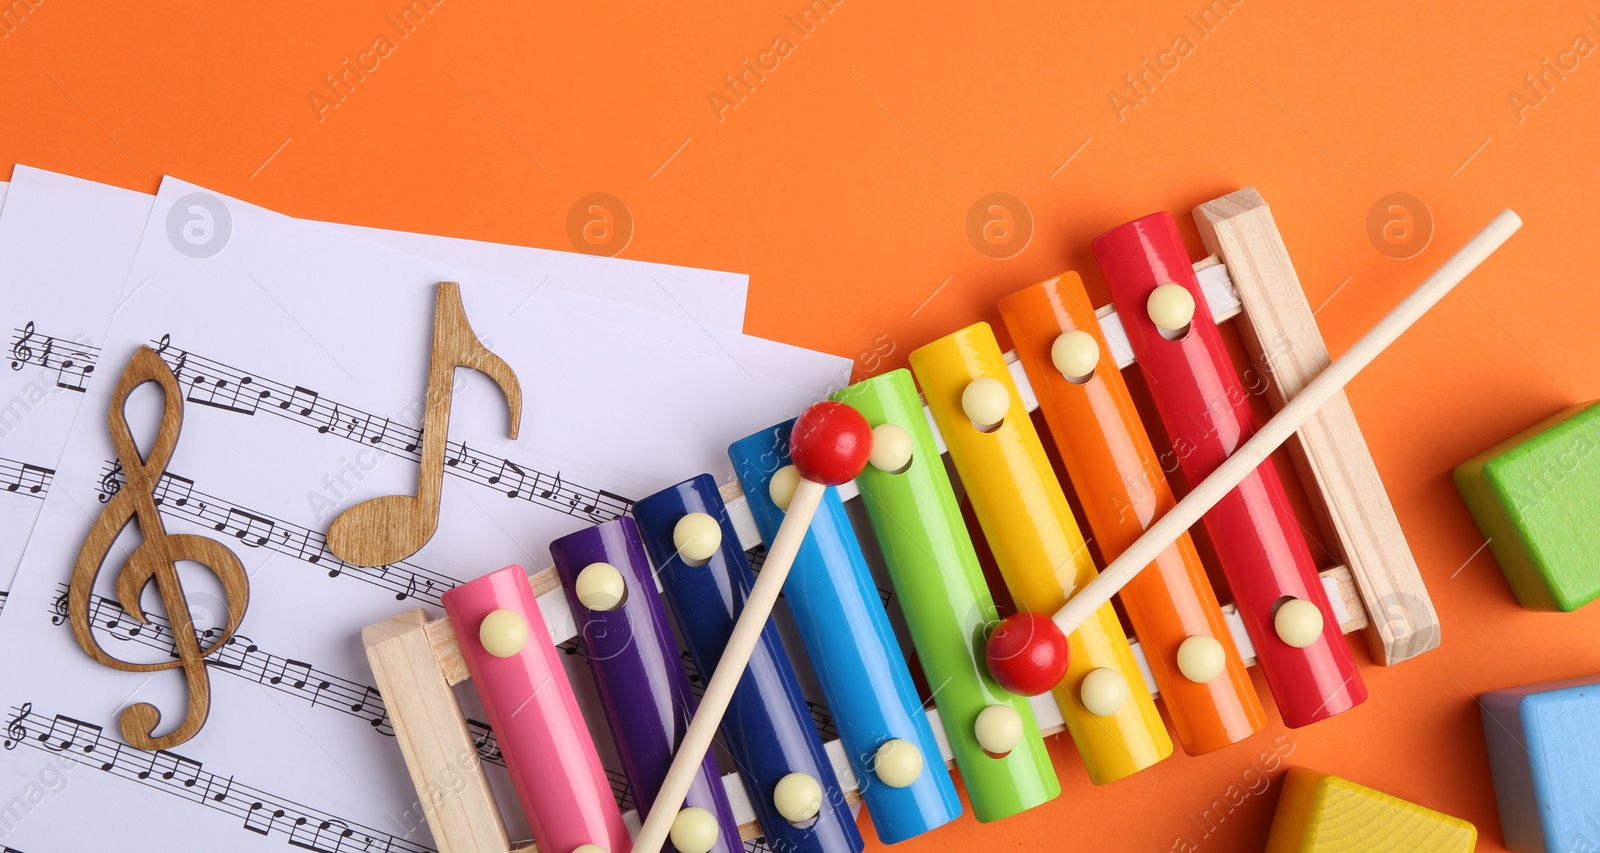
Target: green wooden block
(1536, 497)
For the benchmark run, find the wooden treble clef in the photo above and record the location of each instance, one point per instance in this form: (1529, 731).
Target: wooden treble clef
(154, 560)
(388, 529)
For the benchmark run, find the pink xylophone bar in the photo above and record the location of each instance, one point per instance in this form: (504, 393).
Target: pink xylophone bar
(525, 692)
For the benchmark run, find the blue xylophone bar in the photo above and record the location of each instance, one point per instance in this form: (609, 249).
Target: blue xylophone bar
(767, 730)
(852, 648)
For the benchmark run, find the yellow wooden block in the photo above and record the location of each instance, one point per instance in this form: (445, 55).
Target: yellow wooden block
(1318, 813)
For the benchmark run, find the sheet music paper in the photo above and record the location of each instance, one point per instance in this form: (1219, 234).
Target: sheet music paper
(302, 354)
(58, 298)
(82, 287)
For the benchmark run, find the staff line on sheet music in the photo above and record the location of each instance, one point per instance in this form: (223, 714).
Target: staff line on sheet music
(73, 362)
(217, 385)
(242, 657)
(186, 778)
(177, 497)
(25, 479)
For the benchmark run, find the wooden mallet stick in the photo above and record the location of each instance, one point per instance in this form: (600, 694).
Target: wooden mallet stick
(829, 446)
(1276, 431)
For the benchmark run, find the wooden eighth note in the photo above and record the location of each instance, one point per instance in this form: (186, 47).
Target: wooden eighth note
(154, 560)
(389, 529)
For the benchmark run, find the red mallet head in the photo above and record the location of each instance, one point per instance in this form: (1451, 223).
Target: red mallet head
(1027, 654)
(830, 443)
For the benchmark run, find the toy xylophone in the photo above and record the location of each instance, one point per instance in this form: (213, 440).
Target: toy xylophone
(789, 786)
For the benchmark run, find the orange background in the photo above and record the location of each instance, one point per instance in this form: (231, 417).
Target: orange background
(843, 183)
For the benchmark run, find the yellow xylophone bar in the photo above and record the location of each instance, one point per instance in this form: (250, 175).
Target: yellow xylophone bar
(1038, 547)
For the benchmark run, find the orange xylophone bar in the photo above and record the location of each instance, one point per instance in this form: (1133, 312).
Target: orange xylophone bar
(1118, 478)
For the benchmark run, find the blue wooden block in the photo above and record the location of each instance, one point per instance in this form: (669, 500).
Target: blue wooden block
(1544, 750)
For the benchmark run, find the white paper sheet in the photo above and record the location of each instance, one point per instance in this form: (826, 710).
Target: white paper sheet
(81, 289)
(714, 300)
(292, 305)
(56, 298)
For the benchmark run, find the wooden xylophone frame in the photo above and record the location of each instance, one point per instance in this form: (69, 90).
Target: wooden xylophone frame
(1376, 588)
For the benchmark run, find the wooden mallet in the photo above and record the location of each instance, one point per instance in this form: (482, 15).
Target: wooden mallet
(829, 446)
(1276, 431)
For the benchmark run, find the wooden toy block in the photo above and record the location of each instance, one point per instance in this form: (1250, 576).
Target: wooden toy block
(1544, 751)
(1319, 813)
(1536, 497)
